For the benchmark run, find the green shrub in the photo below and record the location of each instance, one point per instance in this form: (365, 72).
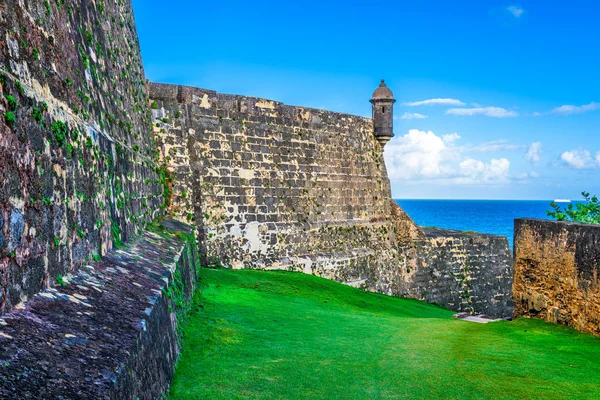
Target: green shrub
(59, 129)
(37, 115)
(60, 280)
(9, 117)
(12, 102)
(586, 212)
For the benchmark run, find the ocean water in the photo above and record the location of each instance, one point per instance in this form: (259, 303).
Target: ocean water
(487, 216)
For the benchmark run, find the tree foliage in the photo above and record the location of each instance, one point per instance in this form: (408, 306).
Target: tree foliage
(586, 212)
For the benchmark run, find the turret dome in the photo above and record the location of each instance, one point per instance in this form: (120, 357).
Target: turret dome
(382, 92)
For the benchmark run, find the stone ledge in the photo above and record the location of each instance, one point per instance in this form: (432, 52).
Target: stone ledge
(182, 94)
(110, 332)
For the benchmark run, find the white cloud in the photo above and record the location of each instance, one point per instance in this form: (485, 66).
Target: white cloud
(495, 170)
(495, 112)
(570, 109)
(452, 137)
(413, 116)
(533, 152)
(516, 11)
(496, 145)
(435, 102)
(580, 159)
(536, 114)
(421, 155)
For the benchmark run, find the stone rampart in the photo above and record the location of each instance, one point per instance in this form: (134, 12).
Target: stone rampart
(273, 186)
(276, 186)
(465, 271)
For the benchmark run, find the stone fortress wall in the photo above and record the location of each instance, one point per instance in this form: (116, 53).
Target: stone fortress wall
(268, 185)
(273, 186)
(78, 168)
(86, 307)
(87, 149)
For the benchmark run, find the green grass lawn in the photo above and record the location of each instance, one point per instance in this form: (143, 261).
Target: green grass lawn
(282, 335)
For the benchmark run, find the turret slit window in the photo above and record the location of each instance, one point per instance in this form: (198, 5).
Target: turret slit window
(383, 110)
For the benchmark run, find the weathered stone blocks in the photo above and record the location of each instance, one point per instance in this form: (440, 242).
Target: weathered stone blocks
(556, 273)
(463, 271)
(17, 226)
(267, 180)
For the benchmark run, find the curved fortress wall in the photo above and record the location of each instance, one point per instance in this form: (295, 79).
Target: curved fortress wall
(77, 166)
(277, 186)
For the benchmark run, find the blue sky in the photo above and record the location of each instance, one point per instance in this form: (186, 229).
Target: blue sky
(496, 99)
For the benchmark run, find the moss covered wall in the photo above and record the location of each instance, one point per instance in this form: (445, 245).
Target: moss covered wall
(77, 160)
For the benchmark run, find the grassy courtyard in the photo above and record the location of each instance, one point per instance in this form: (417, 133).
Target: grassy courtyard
(280, 335)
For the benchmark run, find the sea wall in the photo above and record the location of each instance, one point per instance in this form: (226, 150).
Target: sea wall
(556, 273)
(78, 167)
(110, 330)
